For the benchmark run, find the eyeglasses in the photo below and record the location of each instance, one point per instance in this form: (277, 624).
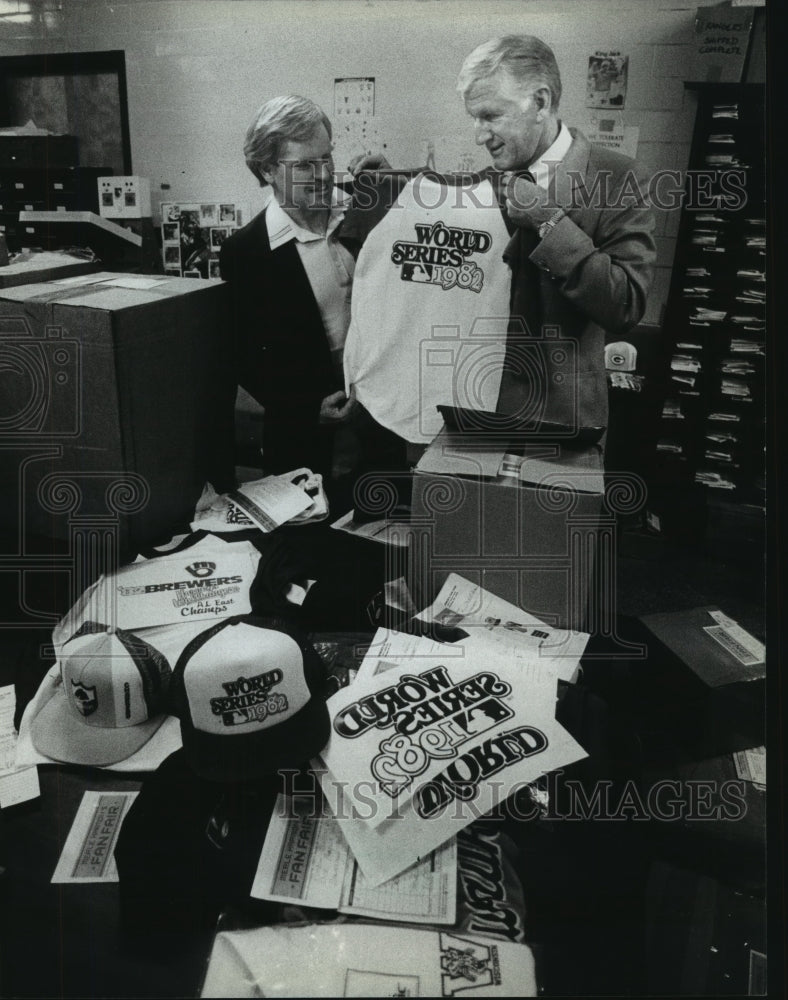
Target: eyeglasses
(309, 167)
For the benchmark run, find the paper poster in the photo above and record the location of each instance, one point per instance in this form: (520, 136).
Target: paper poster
(355, 132)
(354, 96)
(356, 135)
(606, 85)
(434, 728)
(608, 129)
(192, 236)
(722, 36)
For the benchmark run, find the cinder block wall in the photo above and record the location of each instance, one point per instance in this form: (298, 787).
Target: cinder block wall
(197, 70)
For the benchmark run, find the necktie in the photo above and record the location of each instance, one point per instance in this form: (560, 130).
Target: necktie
(524, 378)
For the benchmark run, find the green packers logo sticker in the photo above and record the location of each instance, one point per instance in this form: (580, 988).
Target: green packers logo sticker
(439, 256)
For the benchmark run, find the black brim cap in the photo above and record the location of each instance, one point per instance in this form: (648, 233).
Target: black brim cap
(249, 696)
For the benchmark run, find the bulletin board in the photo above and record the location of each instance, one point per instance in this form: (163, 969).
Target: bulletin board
(192, 235)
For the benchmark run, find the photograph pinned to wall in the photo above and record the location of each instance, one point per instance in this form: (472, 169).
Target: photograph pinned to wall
(608, 129)
(606, 85)
(227, 215)
(208, 215)
(191, 236)
(218, 236)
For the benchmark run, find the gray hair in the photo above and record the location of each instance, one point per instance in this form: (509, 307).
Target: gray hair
(525, 58)
(280, 120)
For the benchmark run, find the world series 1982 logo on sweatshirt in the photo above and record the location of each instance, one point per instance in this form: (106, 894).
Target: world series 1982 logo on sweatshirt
(439, 256)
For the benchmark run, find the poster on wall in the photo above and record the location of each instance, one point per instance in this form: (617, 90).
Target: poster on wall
(355, 130)
(354, 96)
(192, 235)
(607, 128)
(722, 36)
(606, 84)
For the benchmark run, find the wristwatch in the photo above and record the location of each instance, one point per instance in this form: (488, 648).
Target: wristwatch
(550, 223)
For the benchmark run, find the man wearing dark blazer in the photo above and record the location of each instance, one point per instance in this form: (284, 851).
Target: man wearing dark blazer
(290, 272)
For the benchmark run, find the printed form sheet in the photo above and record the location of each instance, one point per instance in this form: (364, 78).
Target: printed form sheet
(306, 860)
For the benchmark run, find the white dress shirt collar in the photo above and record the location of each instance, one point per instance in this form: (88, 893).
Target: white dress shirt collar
(543, 167)
(281, 228)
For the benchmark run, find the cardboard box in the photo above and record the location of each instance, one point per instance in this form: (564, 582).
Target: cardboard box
(528, 536)
(44, 267)
(696, 687)
(120, 407)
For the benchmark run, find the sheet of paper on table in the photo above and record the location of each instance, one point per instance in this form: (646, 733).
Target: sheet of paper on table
(271, 501)
(491, 620)
(389, 649)
(385, 851)
(306, 860)
(395, 733)
(423, 747)
(17, 783)
(365, 960)
(88, 853)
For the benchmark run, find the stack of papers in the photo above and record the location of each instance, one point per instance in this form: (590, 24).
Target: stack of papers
(741, 346)
(713, 479)
(671, 410)
(734, 366)
(713, 315)
(732, 387)
(685, 363)
(725, 111)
